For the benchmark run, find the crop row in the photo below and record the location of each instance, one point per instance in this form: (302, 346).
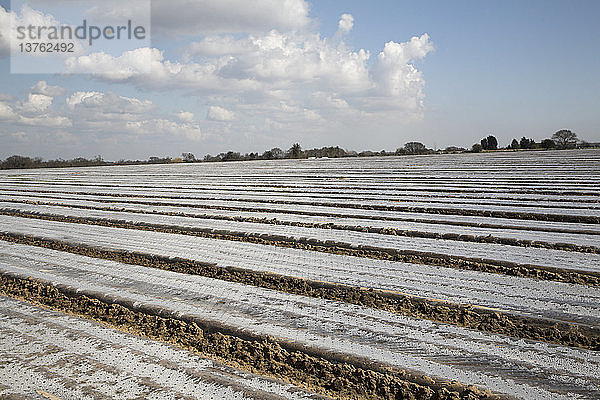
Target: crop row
(327, 330)
(531, 261)
(382, 230)
(528, 297)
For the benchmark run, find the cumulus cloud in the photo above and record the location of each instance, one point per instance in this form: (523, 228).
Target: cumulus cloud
(346, 23)
(5, 24)
(108, 114)
(216, 113)
(116, 68)
(395, 77)
(264, 69)
(6, 112)
(42, 88)
(185, 116)
(165, 127)
(35, 111)
(36, 103)
(281, 64)
(108, 103)
(49, 121)
(271, 61)
(265, 81)
(98, 116)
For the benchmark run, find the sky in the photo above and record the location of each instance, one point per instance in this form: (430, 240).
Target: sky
(248, 76)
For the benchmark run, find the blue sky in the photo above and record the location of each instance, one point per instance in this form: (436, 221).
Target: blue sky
(283, 72)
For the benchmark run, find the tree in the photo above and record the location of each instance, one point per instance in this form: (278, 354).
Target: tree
(16, 162)
(188, 157)
(295, 151)
(548, 144)
(514, 145)
(526, 143)
(415, 148)
(231, 156)
(565, 139)
(489, 143)
(273, 154)
(476, 148)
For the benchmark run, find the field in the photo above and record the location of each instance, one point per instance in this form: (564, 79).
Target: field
(464, 276)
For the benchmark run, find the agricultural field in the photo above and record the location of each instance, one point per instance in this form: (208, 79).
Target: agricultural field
(457, 276)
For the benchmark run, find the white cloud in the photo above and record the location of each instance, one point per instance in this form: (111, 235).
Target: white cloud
(81, 97)
(6, 112)
(110, 115)
(35, 111)
(165, 127)
(311, 115)
(109, 67)
(289, 108)
(265, 69)
(5, 24)
(42, 88)
(216, 113)
(267, 83)
(108, 103)
(346, 23)
(49, 121)
(185, 116)
(147, 69)
(36, 104)
(394, 76)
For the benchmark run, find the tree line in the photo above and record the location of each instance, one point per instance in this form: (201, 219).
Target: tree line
(563, 139)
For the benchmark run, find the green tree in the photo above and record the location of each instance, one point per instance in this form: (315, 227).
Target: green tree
(526, 143)
(188, 157)
(476, 148)
(565, 139)
(295, 151)
(415, 148)
(548, 144)
(489, 143)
